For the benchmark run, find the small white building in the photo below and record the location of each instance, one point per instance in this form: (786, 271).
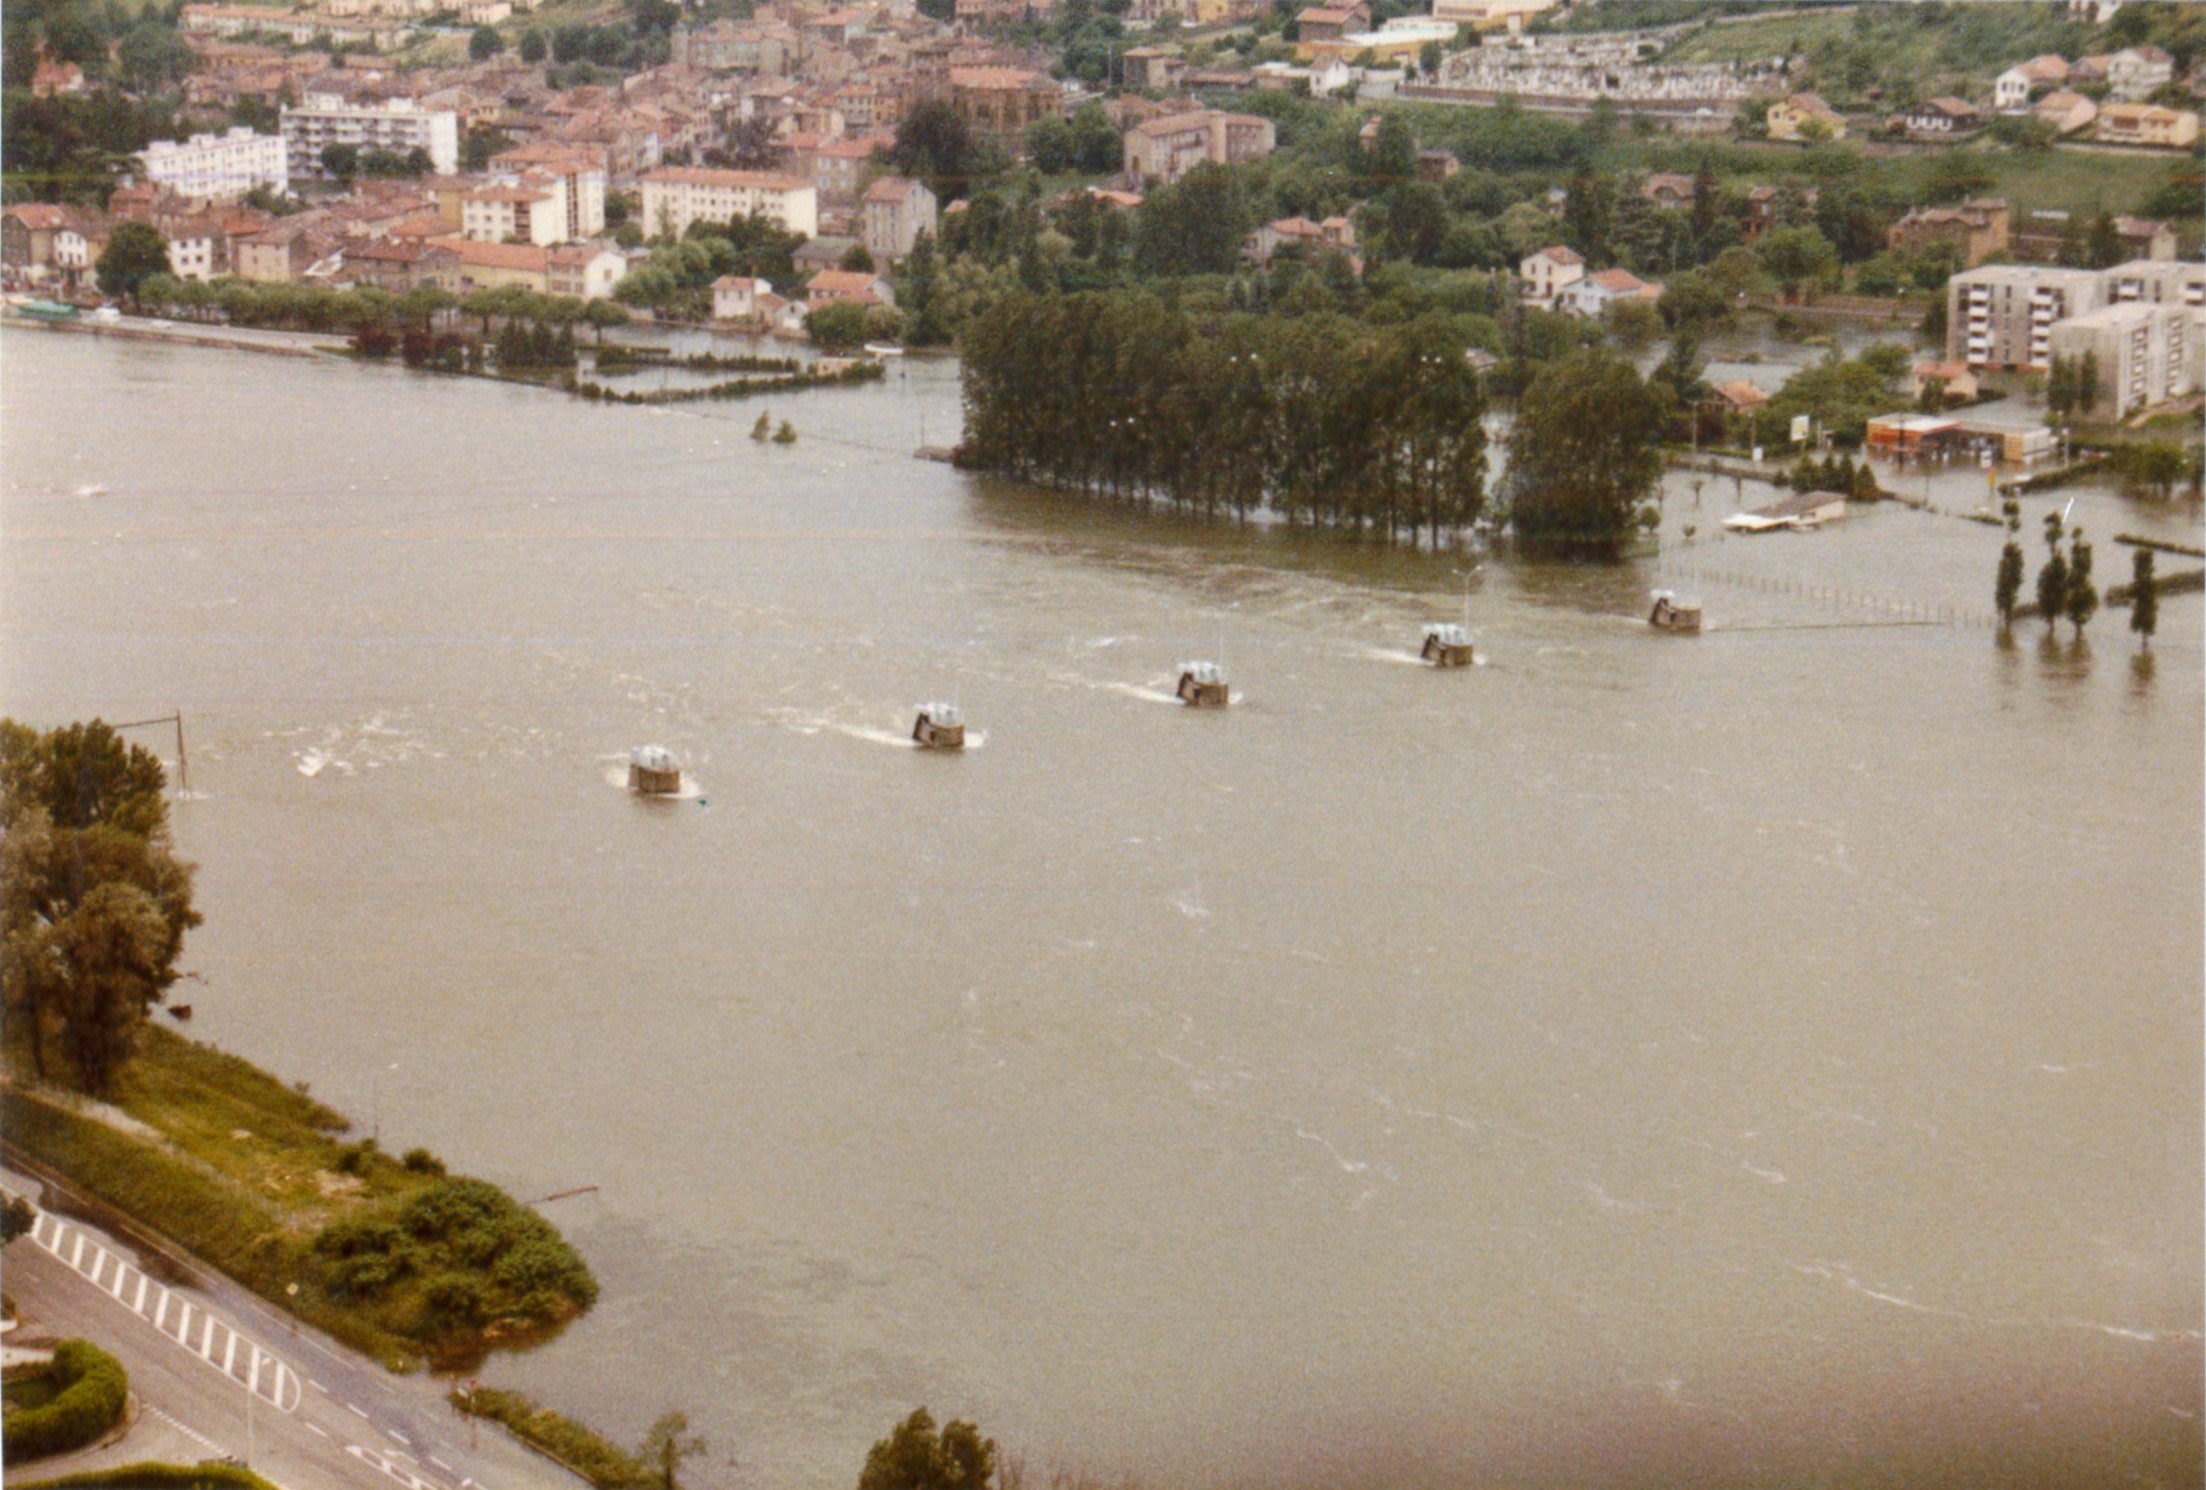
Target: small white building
(2011, 90)
(735, 297)
(1802, 510)
(218, 167)
(1549, 272)
(1591, 294)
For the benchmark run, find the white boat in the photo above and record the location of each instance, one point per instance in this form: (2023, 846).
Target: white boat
(883, 349)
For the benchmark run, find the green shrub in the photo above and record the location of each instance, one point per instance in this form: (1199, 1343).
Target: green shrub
(151, 1476)
(356, 1158)
(93, 1388)
(421, 1161)
(600, 1462)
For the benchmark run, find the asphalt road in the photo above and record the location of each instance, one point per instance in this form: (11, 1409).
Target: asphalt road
(218, 1372)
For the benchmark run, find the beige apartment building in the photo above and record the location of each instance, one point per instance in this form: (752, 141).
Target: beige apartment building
(676, 196)
(2146, 354)
(2003, 315)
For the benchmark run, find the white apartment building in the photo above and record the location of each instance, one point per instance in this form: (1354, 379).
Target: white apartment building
(676, 196)
(218, 167)
(532, 213)
(2003, 315)
(2144, 322)
(2146, 354)
(398, 124)
(2158, 281)
(582, 178)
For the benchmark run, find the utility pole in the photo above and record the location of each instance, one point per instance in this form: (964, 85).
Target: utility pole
(183, 766)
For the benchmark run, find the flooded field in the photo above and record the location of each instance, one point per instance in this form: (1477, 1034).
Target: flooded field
(1758, 1059)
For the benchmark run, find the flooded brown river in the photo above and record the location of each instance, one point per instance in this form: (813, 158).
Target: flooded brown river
(1765, 1059)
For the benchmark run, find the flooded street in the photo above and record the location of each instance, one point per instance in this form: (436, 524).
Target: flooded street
(1758, 1059)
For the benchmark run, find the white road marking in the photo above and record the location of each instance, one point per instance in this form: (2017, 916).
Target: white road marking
(402, 1438)
(317, 1430)
(439, 1463)
(191, 1433)
(310, 1381)
(382, 1461)
(73, 1247)
(352, 1409)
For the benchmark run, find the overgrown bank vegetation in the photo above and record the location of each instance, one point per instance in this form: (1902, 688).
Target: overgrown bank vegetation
(391, 1255)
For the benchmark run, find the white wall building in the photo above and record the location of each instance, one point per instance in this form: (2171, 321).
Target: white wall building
(583, 178)
(2146, 354)
(398, 124)
(677, 196)
(218, 167)
(534, 213)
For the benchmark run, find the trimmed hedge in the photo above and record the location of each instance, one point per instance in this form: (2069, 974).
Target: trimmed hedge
(93, 1391)
(153, 1476)
(600, 1462)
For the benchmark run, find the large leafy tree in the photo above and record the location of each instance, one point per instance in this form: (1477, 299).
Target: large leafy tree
(93, 902)
(152, 56)
(933, 144)
(135, 253)
(1585, 453)
(1194, 226)
(915, 1456)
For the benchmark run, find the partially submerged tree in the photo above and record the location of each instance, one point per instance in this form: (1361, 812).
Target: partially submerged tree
(917, 1457)
(2144, 598)
(2009, 587)
(2082, 601)
(2052, 580)
(1586, 451)
(667, 1444)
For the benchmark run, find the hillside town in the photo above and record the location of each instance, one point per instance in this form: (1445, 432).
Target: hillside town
(345, 147)
(589, 478)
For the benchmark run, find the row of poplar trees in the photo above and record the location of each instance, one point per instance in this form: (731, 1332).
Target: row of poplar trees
(1321, 419)
(2065, 588)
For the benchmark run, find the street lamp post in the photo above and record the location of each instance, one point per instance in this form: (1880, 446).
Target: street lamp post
(375, 1102)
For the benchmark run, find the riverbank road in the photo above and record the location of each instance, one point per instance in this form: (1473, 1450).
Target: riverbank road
(189, 333)
(218, 1373)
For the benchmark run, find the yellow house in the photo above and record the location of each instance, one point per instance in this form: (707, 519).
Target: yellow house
(2148, 124)
(491, 266)
(1799, 117)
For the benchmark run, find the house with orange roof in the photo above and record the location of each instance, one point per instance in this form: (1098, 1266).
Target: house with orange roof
(1549, 272)
(853, 286)
(1595, 293)
(490, 266)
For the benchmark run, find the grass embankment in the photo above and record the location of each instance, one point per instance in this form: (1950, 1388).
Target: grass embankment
(391, 1256)
(602, 1463)
(153, 1476)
